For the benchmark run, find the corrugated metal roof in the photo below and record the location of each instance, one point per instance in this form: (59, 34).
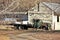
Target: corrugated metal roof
(54, 6)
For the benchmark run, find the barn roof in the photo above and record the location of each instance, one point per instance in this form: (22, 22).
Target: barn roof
(53, 6)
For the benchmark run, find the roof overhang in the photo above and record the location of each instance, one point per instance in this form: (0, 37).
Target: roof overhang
(53, 1)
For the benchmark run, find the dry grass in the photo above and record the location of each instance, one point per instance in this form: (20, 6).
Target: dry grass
(9, 27)
(23, 4)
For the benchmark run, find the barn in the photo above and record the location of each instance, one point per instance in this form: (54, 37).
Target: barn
(47, 12)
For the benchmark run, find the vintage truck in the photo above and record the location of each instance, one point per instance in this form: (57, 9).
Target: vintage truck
(23, 25)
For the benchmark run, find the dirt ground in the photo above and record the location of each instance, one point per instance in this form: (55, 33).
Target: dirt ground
(28, 35)
(47, 36)
(4, 37)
